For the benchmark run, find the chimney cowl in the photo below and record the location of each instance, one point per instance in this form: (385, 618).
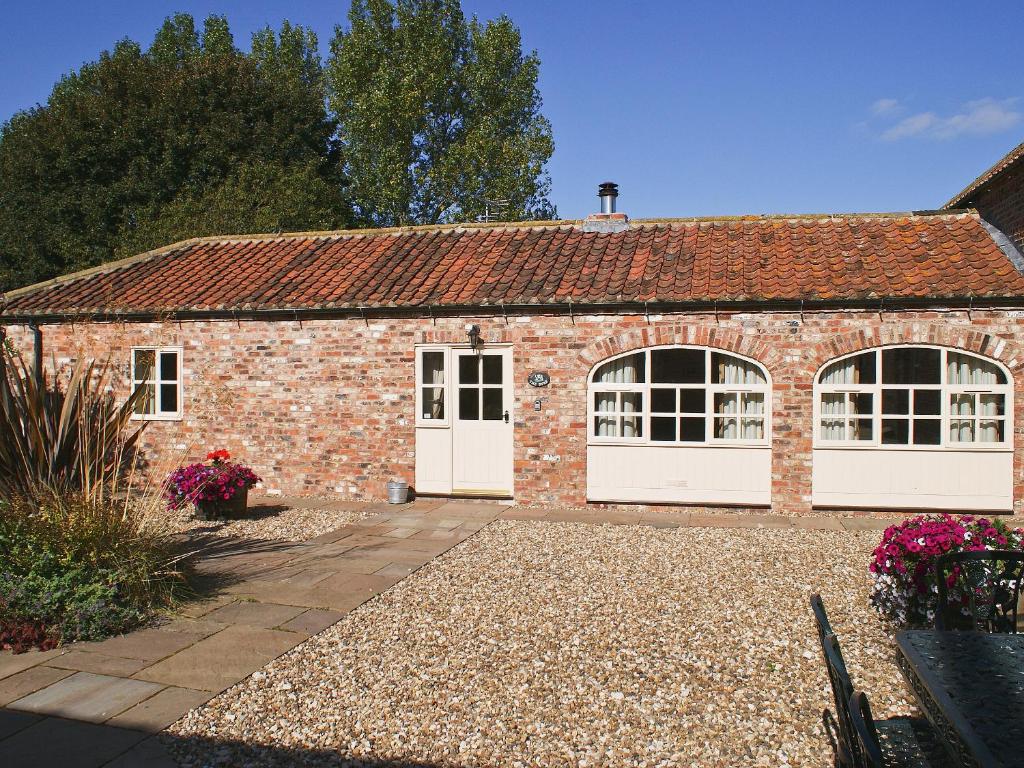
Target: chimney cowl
(607, 221)
(608, 191)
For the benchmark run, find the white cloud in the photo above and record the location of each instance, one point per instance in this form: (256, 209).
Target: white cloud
(885, 107)
(976, 118)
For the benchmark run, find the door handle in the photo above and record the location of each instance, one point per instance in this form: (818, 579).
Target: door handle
(506, 416)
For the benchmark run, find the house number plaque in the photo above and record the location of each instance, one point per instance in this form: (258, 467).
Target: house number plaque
(538, 379)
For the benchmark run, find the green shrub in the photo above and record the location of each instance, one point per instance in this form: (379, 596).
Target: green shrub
(84, 568)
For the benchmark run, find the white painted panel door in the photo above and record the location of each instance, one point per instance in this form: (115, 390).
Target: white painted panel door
(482, 423)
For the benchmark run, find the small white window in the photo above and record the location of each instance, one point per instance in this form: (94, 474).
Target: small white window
(907, 397)
(679, 395)
(157, 371)
(432, 387)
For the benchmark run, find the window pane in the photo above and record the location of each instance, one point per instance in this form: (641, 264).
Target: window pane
(859, 369)
(990, 431)
(169, 366)
(606, 426)
(752, 403)
(833, 404)
(961, 404)
(966, 370)
(961, 431)
(691, 430)
(492, 369)
(433, 368)
(624, 370)
(861, 402)
(168, 398)
(146, 404)
(691, 401)
(145, 364)
(663, 429)
(927, 431)
(895, 431)
(862, 429)
(991, 405)
(663, 400)
(469, 369)
(727, 428)
(631, 402)
(604, 401)
(632, 426)
(469, 404)
(726, 369)
(677, 366)
(493, 410)
(895, 401)
(433, 403)
(833, 429)
(927, 402)
(752, 429)
(911, 365)
(727, 402)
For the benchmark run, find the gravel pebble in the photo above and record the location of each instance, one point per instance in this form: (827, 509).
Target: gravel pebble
(566, 644)
(285, 524)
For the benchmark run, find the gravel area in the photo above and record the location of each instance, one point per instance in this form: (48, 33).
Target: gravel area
(282, 523)
(564, 644)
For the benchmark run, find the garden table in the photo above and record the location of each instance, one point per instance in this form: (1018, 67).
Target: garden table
(970, 685)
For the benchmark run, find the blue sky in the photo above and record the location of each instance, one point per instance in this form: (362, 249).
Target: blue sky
(701, 108)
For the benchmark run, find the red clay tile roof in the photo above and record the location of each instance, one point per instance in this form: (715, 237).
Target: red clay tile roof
(850, 257)
(1007, 161)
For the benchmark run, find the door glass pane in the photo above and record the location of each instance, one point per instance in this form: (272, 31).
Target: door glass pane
(469, 404)
(927, 431)
(663, 401)
(492, 369)
(691, 430)
(895, 431)
(895, 401)
(492, 405)
(433, 403)
(433, 368)
(145, 364)
(927, 402)
(691, 401)
(147, 401)
(169, 366)
(469, 369)
(677, 366)
(168, 398)
(663, 429)
(911, 365)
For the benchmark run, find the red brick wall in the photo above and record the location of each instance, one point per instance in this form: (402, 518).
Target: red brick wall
(1002, 203)
(326, 407)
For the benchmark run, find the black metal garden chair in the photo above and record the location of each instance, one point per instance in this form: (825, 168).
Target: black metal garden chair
(902, 737)
(900, 741)
(979, 590)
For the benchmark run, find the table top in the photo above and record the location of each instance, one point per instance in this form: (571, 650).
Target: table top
(973, 684)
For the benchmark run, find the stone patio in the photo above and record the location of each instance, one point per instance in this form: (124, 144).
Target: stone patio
(100, 704)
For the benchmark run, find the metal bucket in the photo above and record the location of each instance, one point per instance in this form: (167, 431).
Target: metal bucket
(398, 492)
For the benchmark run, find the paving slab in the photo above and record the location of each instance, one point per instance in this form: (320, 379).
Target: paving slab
(866, 523)
(66, 744)
(29, 681)
(740, 521)
(13, 663)
(100, 663)
(313, 621)
(251, 613)
(145, 644)
(12, 721)
(88, 697)
(221, 660)
(148, 753)
(159, 711)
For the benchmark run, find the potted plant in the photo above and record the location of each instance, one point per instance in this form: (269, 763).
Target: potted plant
(219, 488)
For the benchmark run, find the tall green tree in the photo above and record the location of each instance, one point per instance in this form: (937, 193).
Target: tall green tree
(437, 114)
(189, 137)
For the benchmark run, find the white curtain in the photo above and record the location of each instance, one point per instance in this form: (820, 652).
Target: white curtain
(727, 403)
(973, 415)
(625, 370)
(433, 396)
(961, 430)
(842, 372)
(607, 421)
(964, 369)
(630, 404)
(732, 370)
(833, 412)
(753, 405)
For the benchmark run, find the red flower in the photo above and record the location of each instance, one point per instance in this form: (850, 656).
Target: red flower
(218, 455)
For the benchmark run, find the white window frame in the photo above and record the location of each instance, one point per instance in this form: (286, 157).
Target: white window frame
(709, 415)
(447, 386)
(158, 414)
(946, 392)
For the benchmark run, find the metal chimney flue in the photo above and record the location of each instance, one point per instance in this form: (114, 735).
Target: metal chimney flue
(608, 192)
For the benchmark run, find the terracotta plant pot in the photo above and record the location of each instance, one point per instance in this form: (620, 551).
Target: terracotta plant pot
(232, 509)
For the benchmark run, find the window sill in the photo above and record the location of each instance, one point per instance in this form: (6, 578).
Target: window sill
(660, 444)
(918, 448)
(168, 417)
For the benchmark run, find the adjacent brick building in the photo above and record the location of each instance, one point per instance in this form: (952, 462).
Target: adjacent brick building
(781, 363)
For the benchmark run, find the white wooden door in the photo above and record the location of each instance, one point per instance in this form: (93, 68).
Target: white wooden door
(482, 423)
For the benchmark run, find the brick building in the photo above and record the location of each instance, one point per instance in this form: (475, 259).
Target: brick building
(790, 363)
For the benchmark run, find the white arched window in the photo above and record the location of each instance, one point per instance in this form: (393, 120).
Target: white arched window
(913, 397)
(677, 395)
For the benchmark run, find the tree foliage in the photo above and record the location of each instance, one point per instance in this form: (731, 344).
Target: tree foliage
(189, 137)
(437, 114)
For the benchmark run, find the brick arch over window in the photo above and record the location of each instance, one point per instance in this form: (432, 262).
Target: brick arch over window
(714, 337)
(987, 345)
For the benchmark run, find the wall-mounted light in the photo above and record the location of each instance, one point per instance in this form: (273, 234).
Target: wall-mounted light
(473, 332)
